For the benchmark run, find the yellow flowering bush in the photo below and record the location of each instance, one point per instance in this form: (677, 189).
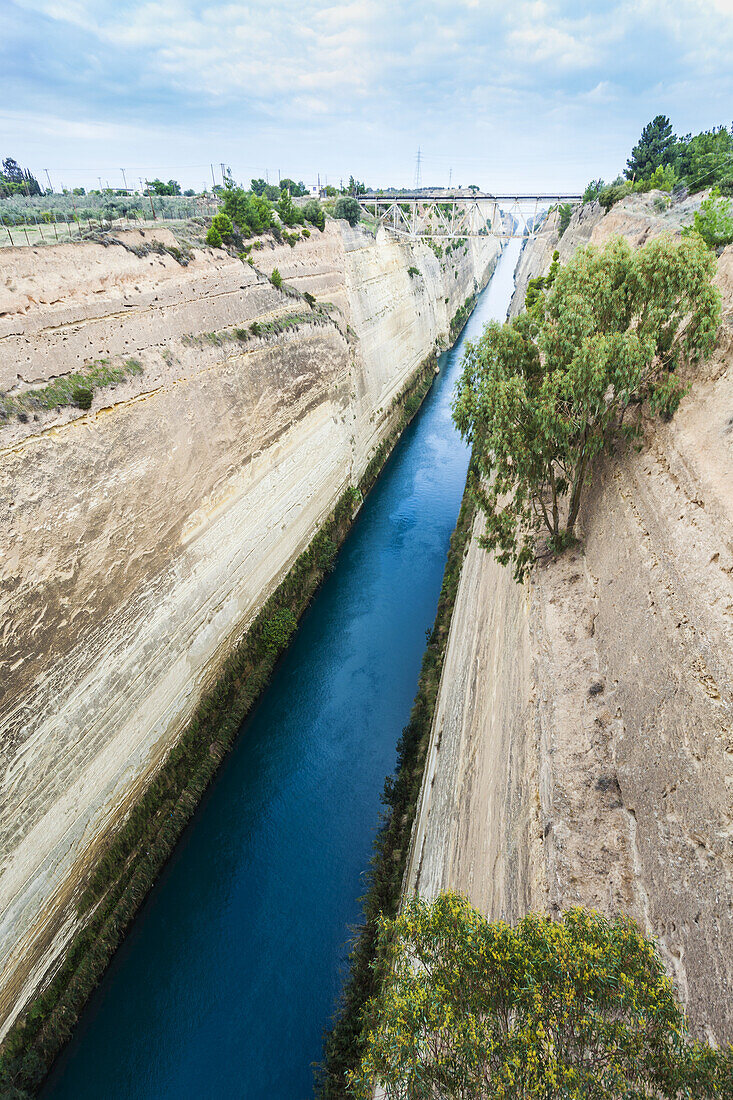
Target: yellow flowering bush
(579, 1007)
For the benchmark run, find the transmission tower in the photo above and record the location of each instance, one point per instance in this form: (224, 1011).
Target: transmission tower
(418, 160)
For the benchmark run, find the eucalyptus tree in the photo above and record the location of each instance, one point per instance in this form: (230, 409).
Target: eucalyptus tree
(542, 395)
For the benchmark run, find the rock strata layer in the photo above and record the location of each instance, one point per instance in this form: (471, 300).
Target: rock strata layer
(139, 539)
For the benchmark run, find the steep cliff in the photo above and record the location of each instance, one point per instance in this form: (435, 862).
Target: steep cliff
(139, 539)
(581, 751)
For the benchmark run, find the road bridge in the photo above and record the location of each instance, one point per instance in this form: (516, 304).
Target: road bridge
(450, 214)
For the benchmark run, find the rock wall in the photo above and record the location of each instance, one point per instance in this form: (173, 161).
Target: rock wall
(139, 539)
(581, 751)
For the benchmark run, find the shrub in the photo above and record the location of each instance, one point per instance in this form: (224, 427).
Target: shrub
(213, 237)
(542, 395)
(575, 1007)
(310, 299)
(565, 213)
(613, 193)
(713, 221)
(413, 271)
(277, 630)
(276, 279)
(82, 396)
(347, 208)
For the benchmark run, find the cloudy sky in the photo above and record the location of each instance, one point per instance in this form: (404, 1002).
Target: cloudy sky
(545, 93)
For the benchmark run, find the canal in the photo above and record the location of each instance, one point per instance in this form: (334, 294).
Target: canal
(229, 976)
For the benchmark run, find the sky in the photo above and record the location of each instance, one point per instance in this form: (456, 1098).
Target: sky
(543, 94)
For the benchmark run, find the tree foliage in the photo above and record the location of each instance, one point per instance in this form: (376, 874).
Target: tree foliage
(252, 213)
(15, 180)
(295, 189)
(706, 158)
(172, 187)
(348, 208)
(579, 1008)
(655, 147)
(543, 394)
(285, 208)
(593, 190)
(313, 213)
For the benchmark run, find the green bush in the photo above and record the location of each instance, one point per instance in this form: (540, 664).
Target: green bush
(82, 396)
(413, 271)
(313, 213)
(593, 190)
(347, 208)
(213, 237)
(276, 279)
(565, 213)
(579, 1007)
(713, 221)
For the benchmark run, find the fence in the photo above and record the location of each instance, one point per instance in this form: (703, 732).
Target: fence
(51, 218)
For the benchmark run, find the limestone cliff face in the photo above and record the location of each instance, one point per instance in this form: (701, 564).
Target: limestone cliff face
(581, 751)
(139, 539)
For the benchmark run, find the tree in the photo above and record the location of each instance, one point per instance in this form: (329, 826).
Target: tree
(542, 395)
(313, 213)
(276, 279)
(249, 211)
(348, 208)
(578, 1007)
(172, 187)
(593, 190)
(356, 187)
(286, 210)
(705, 158)
(15, 180)
(297, 190)
(565, 213)
(258, 186)
(655, 146)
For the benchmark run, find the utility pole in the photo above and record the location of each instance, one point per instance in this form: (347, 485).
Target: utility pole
(100, 183)
(450, 176)
(418, 160)
(50, 185)
(213, 177)
(124, 178)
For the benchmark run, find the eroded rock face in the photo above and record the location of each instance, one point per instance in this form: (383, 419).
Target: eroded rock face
(581, 751)
(139, 539)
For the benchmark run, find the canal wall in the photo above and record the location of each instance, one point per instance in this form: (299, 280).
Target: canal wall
(140, 538)
(581, 749)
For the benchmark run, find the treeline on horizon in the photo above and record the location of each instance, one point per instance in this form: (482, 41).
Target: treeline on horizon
(665, 162)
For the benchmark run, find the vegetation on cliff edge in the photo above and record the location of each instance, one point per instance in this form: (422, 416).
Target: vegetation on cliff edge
(578, 1007)
(542, 395)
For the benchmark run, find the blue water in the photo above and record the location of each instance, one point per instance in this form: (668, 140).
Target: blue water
(231, 972)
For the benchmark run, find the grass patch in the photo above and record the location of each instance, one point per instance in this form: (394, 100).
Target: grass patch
(291, 322)
(71, 389)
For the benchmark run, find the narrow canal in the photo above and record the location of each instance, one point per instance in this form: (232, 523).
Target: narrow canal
(231, 972)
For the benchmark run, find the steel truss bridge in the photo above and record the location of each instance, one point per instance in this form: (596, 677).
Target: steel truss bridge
(454, 214)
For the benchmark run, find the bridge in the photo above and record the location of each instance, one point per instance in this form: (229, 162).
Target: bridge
(452, 213)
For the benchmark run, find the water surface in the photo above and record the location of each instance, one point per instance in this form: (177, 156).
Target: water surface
(233, 967)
